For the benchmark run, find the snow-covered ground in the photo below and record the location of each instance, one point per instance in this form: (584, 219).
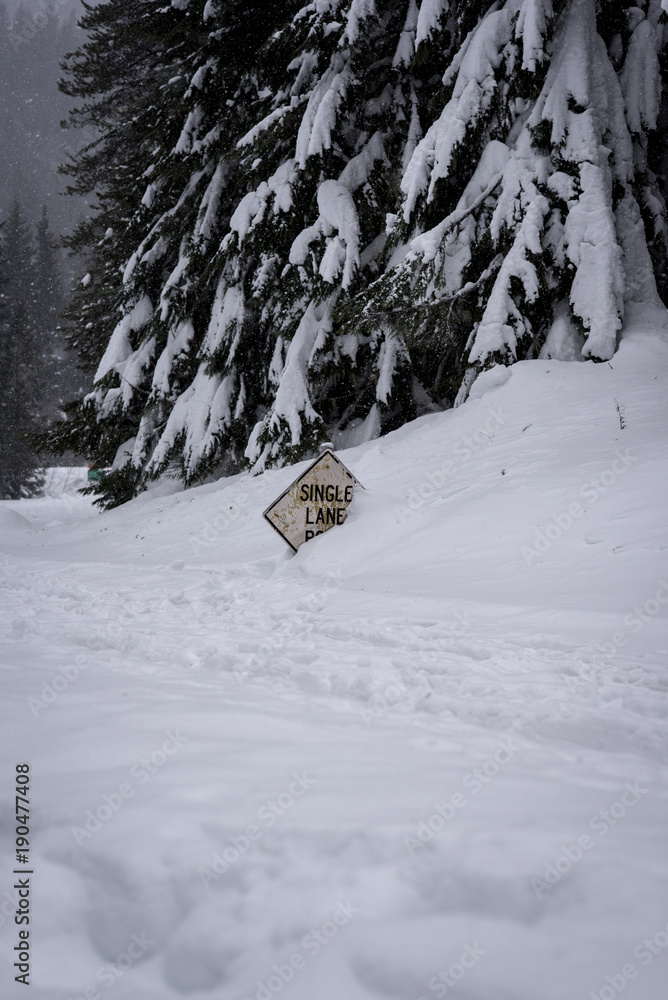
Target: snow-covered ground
(424, 757)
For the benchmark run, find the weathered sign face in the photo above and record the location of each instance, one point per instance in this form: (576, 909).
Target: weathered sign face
(315, 502)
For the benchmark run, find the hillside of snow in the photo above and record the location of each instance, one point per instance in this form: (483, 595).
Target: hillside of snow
(426, 756)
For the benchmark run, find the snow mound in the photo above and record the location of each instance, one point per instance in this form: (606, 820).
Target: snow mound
(490, 379)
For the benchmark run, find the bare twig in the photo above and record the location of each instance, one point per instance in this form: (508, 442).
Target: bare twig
(470, 286)
(620, 414)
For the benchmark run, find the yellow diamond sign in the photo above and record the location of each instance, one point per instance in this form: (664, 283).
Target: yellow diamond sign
(317, 501)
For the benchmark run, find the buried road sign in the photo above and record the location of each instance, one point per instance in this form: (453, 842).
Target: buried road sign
(315, 502)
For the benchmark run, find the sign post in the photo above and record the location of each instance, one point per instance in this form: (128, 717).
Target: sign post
(315, 502)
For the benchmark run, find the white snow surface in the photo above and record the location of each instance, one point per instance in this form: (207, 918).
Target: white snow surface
(315, 130)
(337, 211)
(430, 13)
(486, 634)
(119, 349)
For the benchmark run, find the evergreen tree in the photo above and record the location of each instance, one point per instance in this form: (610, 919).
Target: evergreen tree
(272, 120)
(521, 209)
(48, 287)
(60, 378)
(20, 361)
(150, 188)
(127, 77)
(335, 216)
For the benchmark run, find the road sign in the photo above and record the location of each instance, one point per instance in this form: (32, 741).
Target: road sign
(316, 501)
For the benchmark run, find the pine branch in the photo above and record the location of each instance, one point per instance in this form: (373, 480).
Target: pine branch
(470, 286)
(136, 388)
(458, 216)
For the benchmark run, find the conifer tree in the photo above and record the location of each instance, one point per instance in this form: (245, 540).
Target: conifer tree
(293, 136)
(48, 288)
(59, 377)
(20, 361)
(539, 244)
(128, 78)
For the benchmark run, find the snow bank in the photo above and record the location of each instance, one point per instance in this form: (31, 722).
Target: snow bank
(431, 744)
(11, 521)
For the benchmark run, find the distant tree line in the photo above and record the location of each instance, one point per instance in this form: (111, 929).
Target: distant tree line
(38, 374)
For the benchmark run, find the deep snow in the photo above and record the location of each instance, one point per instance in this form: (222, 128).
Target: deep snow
(496, 601)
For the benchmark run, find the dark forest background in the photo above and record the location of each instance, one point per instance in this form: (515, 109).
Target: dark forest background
(37, 371)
